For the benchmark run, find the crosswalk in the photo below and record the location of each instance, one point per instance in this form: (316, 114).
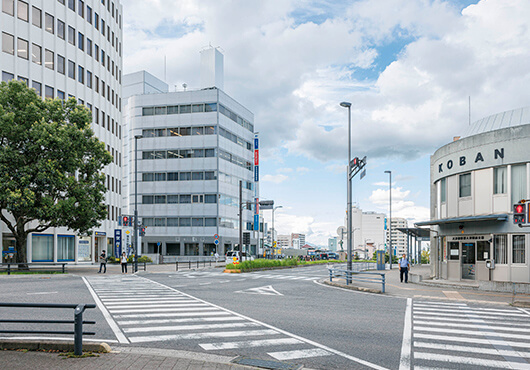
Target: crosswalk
(458, 336)
(145, 311)
(247, 276)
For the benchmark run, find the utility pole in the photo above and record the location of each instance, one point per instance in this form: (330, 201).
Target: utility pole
(241, 220)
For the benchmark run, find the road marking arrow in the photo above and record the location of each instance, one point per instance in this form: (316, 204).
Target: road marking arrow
(266, 290)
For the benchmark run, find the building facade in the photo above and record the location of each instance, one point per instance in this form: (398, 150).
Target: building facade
(62, 49)
(297, 240)
(398, 238)
(475, 182)
(196, 147)
(368, 230)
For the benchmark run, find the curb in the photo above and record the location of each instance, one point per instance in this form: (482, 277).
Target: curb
(62, 346)
(351, 287)
(521, 304)
(234, 271)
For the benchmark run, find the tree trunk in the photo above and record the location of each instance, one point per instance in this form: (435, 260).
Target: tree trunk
(20, 247)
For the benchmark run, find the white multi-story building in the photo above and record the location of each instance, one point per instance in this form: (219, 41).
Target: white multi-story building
(332, 244)
(297, 240)
(368, 230)
(62, 49)
(399, 239)
(196, 147)
(283, 241)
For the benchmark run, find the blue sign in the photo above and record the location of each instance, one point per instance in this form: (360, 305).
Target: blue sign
(256, 141)
(256, 173)
(256, 222)
(216, 241)
(117, 242)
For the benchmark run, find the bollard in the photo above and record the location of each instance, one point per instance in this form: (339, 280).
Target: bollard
(197, 263)
(78, 330)
(177, 264)
(189, 267)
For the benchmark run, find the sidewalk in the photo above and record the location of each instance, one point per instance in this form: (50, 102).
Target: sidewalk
(92, 269)
(437, 289)
(120, 358)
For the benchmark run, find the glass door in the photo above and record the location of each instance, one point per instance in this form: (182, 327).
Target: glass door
(468, 261)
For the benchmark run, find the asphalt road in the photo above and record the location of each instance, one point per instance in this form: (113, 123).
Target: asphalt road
(284, 315)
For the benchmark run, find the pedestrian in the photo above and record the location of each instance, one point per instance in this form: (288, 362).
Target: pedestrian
(404, 266)
(123, 262)
(216, 257)
(102, 262)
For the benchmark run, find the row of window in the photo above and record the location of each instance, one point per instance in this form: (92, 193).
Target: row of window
(178, 153)
(179, 199)
(180, 131)
(113, 213)
(235, 139)
(180, 222)
(241, 162)
(113, 10)
(500, 183)
(113, 184)
(500, 250)
(49, 92)
(42, 248)
(194, 176)
(197, 108)
(179, 176)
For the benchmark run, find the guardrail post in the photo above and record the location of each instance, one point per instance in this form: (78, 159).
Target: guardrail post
(9, 269)
(78, 330)
(177, 265)
(383, 280)
(330, 276)
(189, 267)
(145, 266)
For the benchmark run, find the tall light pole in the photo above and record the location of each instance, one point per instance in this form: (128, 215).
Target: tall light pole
(349, 226)
(135, 218)
(390, 220)
(273, 230)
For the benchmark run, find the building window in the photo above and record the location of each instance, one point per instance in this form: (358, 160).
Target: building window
(23, 79)
(48, 92)
(49, 23)
(80, 41)
(518, 249)
(483, 250)
(71, 35)
(37, 86)
(60, 29)
(96, 52)
(8, 7)
(36, 17)
(443, 190)
(518, 182)
(8, 43)
(89, 79)
(499, 180)
(42, 248)
(96, 20)
(71, 69)
(22, 48)
(500, 249)
(23, 10)
(81, 74)
(89, 14)
(454, 250)
(60, 64)
(89, 46)
(6, 76)
(465, 185)
(81, 8)
(60, 94)
(71, 5)
(48, 59)
(36, 54)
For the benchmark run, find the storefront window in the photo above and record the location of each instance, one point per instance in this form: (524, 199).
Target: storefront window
(454, 253)
(499, 180)
(518, 249)
(500, 249)
(42, 248)
(65, 248)
(483, 250)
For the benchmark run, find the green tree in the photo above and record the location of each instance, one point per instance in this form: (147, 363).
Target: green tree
(50, 165)
(425, 257)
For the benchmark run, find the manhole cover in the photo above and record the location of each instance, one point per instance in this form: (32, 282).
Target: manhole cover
(266, 364)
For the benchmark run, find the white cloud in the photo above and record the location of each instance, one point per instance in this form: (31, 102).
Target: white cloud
(402, 206)
(302, 169)
(275, 179)
(284, 170)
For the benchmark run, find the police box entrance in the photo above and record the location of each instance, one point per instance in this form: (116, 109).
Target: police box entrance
(471, 252)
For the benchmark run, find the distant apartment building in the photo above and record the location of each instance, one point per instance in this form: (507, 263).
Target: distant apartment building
(284, 241)
(332, 244)
(368, 230)
(399, 239)
(195, 149)
(297, 240)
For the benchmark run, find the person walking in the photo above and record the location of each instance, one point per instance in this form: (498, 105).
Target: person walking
(123, 262)
(404, 266)
(102, 262)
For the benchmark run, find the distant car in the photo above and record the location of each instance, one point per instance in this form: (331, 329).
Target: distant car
(333, 256)
(231, 254)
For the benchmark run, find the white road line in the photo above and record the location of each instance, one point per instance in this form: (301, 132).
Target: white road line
(301, 353)
(185, 307)
(467, 315)
(471, 340)
(218, 334)
(439, 303)
(506, 323)
(41, 293)
(470, 361)
(249, 343)
(513, 313)
(68, 339)
(151, 305)
(213, 312)
(404, 362)
(486, 351)
(339, 353)
(523, 310)
(150, 301)
(169, 321)
(469, 332)
(115, 328)
(471, 326)
(190, 327)
(143, 299)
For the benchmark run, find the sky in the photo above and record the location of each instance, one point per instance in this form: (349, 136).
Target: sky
(413, 71)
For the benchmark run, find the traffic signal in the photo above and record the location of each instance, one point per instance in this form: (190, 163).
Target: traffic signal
(519, 213)
(125, 221)
(142, 230)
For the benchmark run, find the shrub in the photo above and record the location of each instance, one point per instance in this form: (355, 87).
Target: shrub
(143, 259)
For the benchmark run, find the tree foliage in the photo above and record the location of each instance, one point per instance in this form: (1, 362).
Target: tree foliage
(50, 165)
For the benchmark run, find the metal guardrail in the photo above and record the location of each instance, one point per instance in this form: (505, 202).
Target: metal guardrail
(197, 263)
(12, 266)
(78, 322)
(349, 275)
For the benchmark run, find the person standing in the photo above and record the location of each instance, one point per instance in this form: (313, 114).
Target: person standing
(102, 262)
(404, 266)
(123, 262)
(216, 257)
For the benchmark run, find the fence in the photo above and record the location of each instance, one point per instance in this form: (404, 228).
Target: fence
(10, 267)
(78, 322)
(363, 276)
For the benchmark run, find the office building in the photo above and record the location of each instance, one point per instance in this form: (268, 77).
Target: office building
(399, 239)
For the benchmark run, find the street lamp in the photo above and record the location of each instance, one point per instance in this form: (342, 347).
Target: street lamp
(390, 220)
(349, 197)
(135, 238)
(273, 230)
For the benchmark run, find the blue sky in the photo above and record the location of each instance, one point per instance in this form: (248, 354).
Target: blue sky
(407, 66)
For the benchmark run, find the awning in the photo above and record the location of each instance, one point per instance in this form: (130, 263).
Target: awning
(455, 220)
(415, 231)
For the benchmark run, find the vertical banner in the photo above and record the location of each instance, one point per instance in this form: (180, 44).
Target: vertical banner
(117, 242)
(256, 180)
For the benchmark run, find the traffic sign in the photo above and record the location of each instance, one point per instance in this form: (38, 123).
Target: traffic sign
(341, 231)
(216, 242)
(216, 236)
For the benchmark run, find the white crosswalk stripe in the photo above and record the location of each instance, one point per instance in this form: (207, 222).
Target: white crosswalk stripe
(146, 311)
(458, 336)
(252, 275)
